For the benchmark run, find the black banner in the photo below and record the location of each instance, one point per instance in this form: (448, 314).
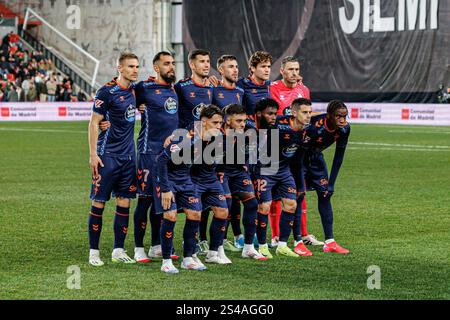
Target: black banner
(355, 50)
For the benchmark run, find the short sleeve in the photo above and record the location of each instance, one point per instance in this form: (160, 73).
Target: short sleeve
(101, 102)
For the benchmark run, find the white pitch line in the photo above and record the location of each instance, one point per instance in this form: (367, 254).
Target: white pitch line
(398, 145)
(41, 130)
(419, 132)
(397, 149)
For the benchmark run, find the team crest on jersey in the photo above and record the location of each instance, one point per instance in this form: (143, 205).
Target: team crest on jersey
(130, 113)
(98, 103)
(196, 110)
(288, 152)
(171, 106)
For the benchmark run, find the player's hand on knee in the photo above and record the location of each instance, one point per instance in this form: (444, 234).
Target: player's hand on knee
(167, 198)
(168, 140)
(104, 125)
(94, 162)
(141, 108)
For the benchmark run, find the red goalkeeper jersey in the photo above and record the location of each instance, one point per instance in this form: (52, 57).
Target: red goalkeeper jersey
(284, 95)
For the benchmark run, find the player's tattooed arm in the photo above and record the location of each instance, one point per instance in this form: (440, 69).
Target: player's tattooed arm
(94, 159)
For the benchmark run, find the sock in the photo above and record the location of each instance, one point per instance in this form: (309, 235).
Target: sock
(190, 237)
(282, 244)
(235, 211)
(204, 225)
(261, 229)
(286, 222)
(250, 219)
(121, 226)
(329, 241)
(167, 234)
(298, 219)
(140, 220)
(275, 213)
(155, 222)
(216, 233)
(303, 224)
(95, 226)
(326, 215)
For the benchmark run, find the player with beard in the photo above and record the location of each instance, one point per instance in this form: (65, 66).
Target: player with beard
(159, 119)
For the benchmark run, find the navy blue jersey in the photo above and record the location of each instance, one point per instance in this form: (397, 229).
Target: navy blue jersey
(205, 172)
(191, 96)
(170, 173)
(289, 140)
(319, 137)
(160, 118)
(253, 93)
(224, 95)
(118, 106)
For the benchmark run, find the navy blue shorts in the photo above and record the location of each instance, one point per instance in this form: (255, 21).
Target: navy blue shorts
(316, 172)
(211, 194)
(146, 174)
(186, 198)
(239, 181)
(118, 176)
(274, 187)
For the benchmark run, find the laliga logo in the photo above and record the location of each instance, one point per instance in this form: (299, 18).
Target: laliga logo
(407, 10)
(171, 106)
(290, 50)
(130, 113)
(196, 111)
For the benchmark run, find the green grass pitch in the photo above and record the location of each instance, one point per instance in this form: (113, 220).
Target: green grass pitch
(391, 204)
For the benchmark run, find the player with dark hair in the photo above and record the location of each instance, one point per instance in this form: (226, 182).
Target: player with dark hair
(194, 92)
(279, 179)
(112, 157)
(324, 131)
(235, 176)
(177, 192)
(204, 177)
(158, 121)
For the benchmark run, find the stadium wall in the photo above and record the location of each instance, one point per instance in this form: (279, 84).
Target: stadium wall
(105, 29)
(408, 114)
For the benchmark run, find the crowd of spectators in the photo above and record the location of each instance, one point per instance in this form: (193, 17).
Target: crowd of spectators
(27, 76)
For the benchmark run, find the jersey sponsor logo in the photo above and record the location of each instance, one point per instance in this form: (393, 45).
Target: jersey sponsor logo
(122, 98)
(130, 113)
(254, 91)
(133, 188)
(192, 94)
(196, 110)
(157, 91)
(323, 182)
(287, 111)
(289, 151)
(292, 190)
(222, 197)
(221, 96)
(192, 200)
(171, 106)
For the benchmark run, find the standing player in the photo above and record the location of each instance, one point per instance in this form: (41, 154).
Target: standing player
(325, 129)
(285, 91)
(158, 121)
(256, 87)
(112, 157)
(177, 192)
(193, 94)
(226, 93)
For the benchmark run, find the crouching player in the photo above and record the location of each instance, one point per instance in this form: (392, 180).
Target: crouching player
(324, 131)
(175, 191)
(236, 179)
